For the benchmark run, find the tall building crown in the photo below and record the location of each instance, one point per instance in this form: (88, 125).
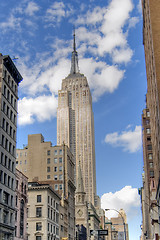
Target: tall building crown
(74, 61)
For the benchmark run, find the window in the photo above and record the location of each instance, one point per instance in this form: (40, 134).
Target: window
(38, 226)
(55, 169)
(151, 173)
(148, 130)
(60, 177)
(48, 227)
(48, 169)
(55, 152)
(55, 160)
(38, 212)
(60, 168)
(39, 198)
(55, 177)
(60, 186)
(57, 206)
(150, 156)
(60, 160)
(149, 147)
(48, 199)
(151, 164)
(48, 152)
(56, 187)
(148, 114)
(60, 152)
(22, 217)
(48, 160)
(38, 238)
(48, 176)
(5, 216)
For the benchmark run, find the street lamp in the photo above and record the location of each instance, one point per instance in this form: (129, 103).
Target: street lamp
(107, 209)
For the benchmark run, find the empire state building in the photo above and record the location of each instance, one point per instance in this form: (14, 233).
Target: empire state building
(75, 124)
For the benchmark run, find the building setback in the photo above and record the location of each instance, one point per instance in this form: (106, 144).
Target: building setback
(75, 125)
(9, 81)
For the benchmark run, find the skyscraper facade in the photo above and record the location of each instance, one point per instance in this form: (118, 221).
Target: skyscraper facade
(75, 124)
(9, 80)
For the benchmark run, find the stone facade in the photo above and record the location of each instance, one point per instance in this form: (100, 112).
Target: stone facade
(46, 164)
(42, 212)
(9, 80)
(21, 206)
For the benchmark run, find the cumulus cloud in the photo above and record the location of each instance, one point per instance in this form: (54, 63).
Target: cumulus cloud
(56, 12)
(127, 198)
(12, 22)
(31, 8)
(41, 109)
(130, 140)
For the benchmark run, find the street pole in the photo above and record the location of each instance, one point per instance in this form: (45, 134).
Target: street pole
(122, 220)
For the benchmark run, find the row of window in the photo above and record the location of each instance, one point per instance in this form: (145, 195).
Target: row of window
(8, 129)
(53, 215)
(8, 112)
(10, 81)
(6, 180)
(25, 162)
(21, 154)
(8, 145)
(55, 152)
(10, 97)
(6, 198)
(21, 187)
(53, 203)
(55, 169)
(6, 216)
(55, 160)
(7, 162)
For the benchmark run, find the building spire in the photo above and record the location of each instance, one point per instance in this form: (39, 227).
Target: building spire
(74, 61)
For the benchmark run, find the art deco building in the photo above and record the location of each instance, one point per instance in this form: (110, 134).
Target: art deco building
(75, 124)
(9, 80)
(46, 164)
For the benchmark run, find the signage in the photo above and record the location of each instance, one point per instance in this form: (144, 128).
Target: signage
(102, 232)
(94, 232)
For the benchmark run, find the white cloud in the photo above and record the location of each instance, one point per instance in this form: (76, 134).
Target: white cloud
(12, 22)
(31, 8)
(129, 140)
(127, 198)
(122, 55)
(139, 6)
(41, 108)
(56, 12)
(133, 21)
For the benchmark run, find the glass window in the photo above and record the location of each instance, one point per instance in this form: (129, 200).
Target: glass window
(60, 177)
(60, 168)
(55, 160)
(150, 156)
(38, 198)
(151, 164)
(151, 173)
(38, 226)
(56, 187)
(60, 186)
(55, 177)
(149, 147)
(55, 152)
(60, 152)
(60, 160)
(48, 152)
(48, 176)
(38, 238)
(48, 160)
(38, 212)
(148, 130)
(48, 169)
(55, 169)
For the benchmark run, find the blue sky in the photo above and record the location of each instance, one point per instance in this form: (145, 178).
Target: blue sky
(110, 47)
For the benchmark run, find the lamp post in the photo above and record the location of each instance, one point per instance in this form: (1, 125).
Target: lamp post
(122, 220)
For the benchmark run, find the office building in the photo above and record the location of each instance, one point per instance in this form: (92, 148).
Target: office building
(9, 81)
(43, 213)
(75, 124)
(46, 164)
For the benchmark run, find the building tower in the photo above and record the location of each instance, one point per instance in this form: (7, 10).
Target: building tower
(75, 124)
(9, 80)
